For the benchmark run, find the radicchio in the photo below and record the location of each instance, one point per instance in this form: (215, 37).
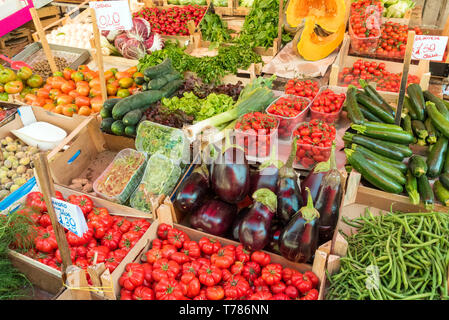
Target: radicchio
(141, 29)
(133, 49)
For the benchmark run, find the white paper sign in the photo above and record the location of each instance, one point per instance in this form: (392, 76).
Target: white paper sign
(70, 216)
(428, 47)
(112, 15)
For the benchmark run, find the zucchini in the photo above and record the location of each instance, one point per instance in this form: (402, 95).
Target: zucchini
(407, 126)
(368, 115)
(417, 165)
(130, 131)
(352, 107)
(382, 126)
(409, 109)
(441, 192)
(159, 82)
(372, 174)
(444, 178)
(433, 134)
(380, 147)
(428, 96)
(106, 124)
(118, 128)
(417, 102)
(158, 70)
(105, 113)
(388, 171)
(141, 100)
(110, 103)
(400, 137)
(133, 117)
(425, 192)
(438, 120)
(436, 157)
(446, 164)
(411, 186)
(373, 94)
(375, 108)
(379, 158)
(145, 87)
(171, 87)
(419, 129)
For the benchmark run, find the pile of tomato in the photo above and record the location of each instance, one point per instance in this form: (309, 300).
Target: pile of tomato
(302, 88)
(79, 91)
(314, 142)
(393, 40)
(327, 106)
(364, 26)
(254, 132)
(358, 7)
(172, 21)
(373, 72)
(108, 239)
(177, 268)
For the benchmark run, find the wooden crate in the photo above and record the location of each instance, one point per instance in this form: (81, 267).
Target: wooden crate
(345, 60)
(11, 37)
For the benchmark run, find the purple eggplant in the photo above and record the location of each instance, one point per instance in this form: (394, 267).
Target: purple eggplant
(193, 191)
(234, 234)
(214, 217)
(254, 231)
(266, 176)
(314, 179)
(328, 200)
(230, 174)
(299, 239)
(275, 232)
(289, 193)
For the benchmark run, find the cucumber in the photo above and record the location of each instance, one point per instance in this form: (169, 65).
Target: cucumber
(436, 157)
(419, 129)
(417, 165)
(417, 102)
(425, 192)
(373, 94)
(130, 131)
(409, 109)
(352, 107)
(372, 174)
(441, 192)
(105, 113)
(380, 147)
(110, 103)
(106, 124)
(367, 114)
(171, 87)
(379, 158)
(389, 171)
(133, 117)
(400, 137)
(375, 108)
(444, 178)
(158, 70)
(407, 125)
(411, 186)
(438, 120)
(433, 134)
(428, 96)
(118, 128)
(141, 100)
(158, 83)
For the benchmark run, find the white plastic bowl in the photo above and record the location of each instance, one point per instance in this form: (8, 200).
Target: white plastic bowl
(41, 134)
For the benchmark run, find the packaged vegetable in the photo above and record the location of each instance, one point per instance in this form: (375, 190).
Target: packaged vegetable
(160, 177)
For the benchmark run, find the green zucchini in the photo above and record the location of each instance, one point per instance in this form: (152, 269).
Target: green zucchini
(417, 165)
(433, 134)
(379, 158)
(140, 100)
(105, 113)
(380, 147)
(159, 82)
(171, 87)
(444, 178)
(425, 192)
(110, 103)
(373, 94)
(158, 70)
(436, 157)
(388, 171)
(411, 186)
(428, 96)
(368, 114)
(400, 137)
(441, 192)
(407, 126)
(438, 120)
(130, 131)
(372, 174)
(372, 125)
(106, 124)
(118, 128)
(133, 117)
(352, 107)
(145, 87)
(409, 109)
(375, 108)
(419, 129)
(446, 163)
(417, 102)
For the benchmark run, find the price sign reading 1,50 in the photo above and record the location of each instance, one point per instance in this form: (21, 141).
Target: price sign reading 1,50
(109, 20)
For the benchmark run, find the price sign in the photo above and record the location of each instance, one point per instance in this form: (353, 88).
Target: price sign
(428, 47)
(112, 15)
(70, 216)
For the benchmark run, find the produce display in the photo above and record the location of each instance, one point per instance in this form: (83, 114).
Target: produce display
(397, 8)
(176, 267)
(302, 88)
(364, 26)
(21, 83)
(393, 39)
(327, 105)
(202, 90)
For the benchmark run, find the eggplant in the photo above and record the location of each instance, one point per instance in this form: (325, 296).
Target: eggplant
(254, 231)
(234, 234)
(214, 217)
(230, 178)
(299, 239)
(266, 176)
(275, 232)
(289, 192)
(193, 191)
(328, 200)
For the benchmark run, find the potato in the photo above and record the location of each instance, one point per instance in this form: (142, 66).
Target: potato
(4, 180)
(76, 186)
(9, 139)
(25, 161)
(21, 169)
(19, 181)
(20, 155)
(8, 163)
(11, 148)
(80, 181)
(88, 188)
(4, 142)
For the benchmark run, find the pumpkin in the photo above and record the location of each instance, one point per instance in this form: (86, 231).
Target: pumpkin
(328, 14)
(313, 43)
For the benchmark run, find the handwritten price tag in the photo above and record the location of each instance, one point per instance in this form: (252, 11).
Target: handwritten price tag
(429, 47)
(70, 216)
(112, 15)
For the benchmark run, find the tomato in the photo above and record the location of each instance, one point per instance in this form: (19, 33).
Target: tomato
(69, 109)
(153, 255)
(84, 202)
(236, 287)
(123, 93)
(83, 90)
(168, 289)
(24, 73)
(140, 226)
(261, 258)
(132, 277)
(278, 287)
(241, 254)
(190, 285)
(111, 239)
(164, 268)
(64, 99)
(100, 252)
(209, 246)
(280, 296)
(46, 242)
(111, 89)
(72, 255)
(68, 86)
(77, 76)
(82, 263)
(84, 111)
(303, 284)
(75, 241)
(162, 230)
(13, 87)
(114, 258)
(82, 101)
(191, 249)
(35, 81)
(291, 292)
(99, 214)
(209, 275)
(126, 83)
(311, 295)
(143, 293)
(261, 295)
(312, 276)
(129, 239)
(45, 220)
(122, 75)
(167, 250)
(7, 75)
(215, 293)
(36, 200)
(224, 258)
(121, 224)
(96, 104)
(126, 294)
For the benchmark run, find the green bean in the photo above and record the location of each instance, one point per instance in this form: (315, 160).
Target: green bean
(417, 296)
